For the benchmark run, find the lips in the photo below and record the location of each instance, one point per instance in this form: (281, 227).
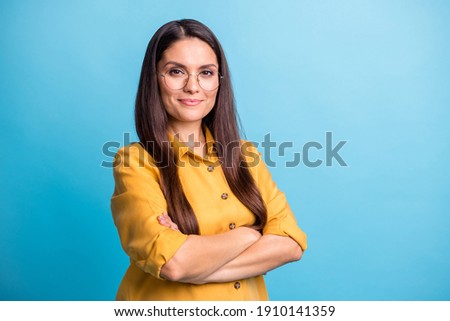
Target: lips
(190, 102)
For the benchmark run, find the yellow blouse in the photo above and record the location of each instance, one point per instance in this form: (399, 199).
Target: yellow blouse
(138, 201)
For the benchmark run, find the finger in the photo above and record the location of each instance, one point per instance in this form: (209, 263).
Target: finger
(163, 221)
(167, 217)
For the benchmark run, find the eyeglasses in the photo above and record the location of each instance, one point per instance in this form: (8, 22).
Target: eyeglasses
(177, 78)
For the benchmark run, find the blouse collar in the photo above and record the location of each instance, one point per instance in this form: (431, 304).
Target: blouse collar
(181, 148)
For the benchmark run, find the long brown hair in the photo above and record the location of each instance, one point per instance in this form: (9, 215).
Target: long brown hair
(151, 126)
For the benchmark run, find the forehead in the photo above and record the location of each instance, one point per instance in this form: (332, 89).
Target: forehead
(191, 52)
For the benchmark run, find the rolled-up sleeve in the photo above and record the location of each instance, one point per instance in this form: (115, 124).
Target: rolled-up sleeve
(280, 218)
(136, 203)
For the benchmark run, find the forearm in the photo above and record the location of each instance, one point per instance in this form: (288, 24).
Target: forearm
(200, 256)
(268, 253)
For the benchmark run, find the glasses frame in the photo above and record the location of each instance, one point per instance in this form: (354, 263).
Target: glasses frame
(187, 80)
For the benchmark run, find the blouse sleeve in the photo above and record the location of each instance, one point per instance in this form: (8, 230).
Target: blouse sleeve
(136, 203)
(280, 219)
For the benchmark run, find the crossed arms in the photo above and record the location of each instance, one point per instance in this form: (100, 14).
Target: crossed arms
(237, 254)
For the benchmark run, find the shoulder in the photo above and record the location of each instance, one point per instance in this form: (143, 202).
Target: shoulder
(251, 154)
(256, 164)
(134, 157)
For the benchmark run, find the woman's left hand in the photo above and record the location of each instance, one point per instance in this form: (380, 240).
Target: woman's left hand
(166, 221)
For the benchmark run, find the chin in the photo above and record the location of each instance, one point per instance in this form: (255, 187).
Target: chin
(191, 116)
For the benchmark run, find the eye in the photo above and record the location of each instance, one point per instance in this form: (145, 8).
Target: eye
(176, 72)
(207, 73)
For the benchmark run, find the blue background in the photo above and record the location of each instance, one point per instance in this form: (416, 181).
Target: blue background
(374, 73)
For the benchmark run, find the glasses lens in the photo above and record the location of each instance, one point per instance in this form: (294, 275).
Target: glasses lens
(175, 79)
(209, 82)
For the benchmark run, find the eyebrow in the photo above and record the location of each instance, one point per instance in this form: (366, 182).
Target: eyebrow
(183, 66)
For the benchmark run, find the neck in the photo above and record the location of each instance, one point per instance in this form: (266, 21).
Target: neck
(191, 133)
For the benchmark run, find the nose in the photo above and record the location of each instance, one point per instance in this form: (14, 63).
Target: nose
(192, 85)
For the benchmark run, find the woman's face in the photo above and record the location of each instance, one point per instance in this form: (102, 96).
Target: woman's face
(187, 106)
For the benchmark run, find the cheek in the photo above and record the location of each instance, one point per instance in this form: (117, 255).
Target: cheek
(166, 97)
(212, 99)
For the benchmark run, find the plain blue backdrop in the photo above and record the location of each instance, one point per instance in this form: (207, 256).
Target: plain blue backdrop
(374, 73)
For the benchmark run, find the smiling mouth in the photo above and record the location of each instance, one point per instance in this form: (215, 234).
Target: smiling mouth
(190, 102)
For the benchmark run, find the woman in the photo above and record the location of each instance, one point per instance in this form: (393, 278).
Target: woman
(195, 207)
